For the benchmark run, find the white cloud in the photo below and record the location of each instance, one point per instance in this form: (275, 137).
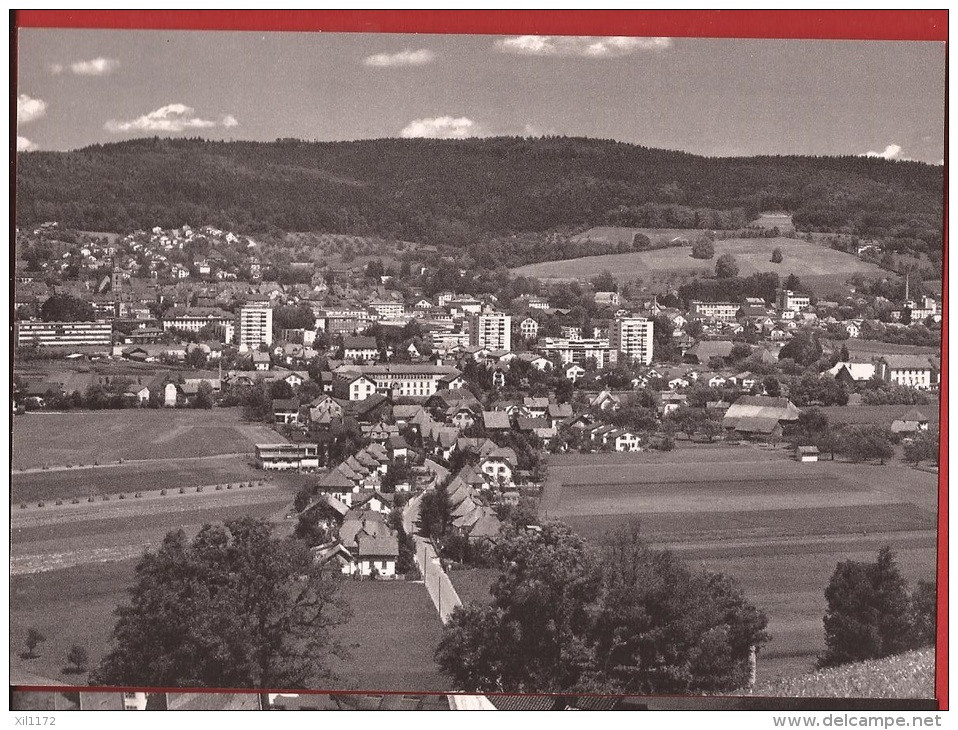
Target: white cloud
(403, 58)
(29, 109)
(442, 128)
(585, 46)
(891, 152)
(169, 118)
(93, 67)
(25, 145)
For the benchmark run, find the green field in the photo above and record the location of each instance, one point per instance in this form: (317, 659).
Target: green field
(64, 439)
(807, 260)
(32, 486)
(390, 637)
(777, 526)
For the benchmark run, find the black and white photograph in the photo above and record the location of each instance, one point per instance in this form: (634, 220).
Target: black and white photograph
(475, 372)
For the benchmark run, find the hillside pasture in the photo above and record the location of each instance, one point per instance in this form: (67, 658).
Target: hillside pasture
(781, 221)
(753, 255)
(865, 350)
(75, 438)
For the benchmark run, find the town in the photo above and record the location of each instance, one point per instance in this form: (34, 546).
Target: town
(403, 410)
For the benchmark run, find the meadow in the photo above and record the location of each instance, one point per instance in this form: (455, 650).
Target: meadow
(390, 637)
(778, 527)
(69, 439)
(48, 485)
(815, 264)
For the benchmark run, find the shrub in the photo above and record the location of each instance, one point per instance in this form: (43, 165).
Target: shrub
(59, 502)
(199, 489)
(182, 490)
(219, 487)
(41, 504)
(162, 492)
(23, 505)
(122, 496)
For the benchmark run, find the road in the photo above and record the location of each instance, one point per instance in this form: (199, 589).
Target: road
(442, 593)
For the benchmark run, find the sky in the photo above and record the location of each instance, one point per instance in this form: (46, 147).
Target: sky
(714, 97)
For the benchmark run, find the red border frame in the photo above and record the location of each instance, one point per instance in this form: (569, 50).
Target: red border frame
(901, 25)
(849, 24)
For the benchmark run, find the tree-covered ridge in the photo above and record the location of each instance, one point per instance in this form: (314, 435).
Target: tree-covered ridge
(460, 191)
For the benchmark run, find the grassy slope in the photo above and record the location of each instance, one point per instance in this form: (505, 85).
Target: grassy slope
(753, 255)
(909, 675)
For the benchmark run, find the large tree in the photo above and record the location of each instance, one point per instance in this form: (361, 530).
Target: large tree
(863, 442)
(703, 249)
(64, 308)
(868, 614)
(804, 348)
(628, 618)
(234, 607)
(726, 267)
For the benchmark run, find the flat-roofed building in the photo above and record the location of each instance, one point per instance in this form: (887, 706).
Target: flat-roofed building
(796, 302)
(576, 350)
(287, 457)
(343, 321)
(98, 333)
(630, 338)
(713, 310)
(255, 325)
(492, 330)
(388, 310)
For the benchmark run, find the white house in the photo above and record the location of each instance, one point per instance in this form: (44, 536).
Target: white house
(625, 441)
(574, 372)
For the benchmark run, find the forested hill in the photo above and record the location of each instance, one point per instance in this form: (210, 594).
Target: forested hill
(464, 190)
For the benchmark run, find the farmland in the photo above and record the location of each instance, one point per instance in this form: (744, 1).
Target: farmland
(128, 477)
(777, 526)
(63, 439)
(812, 262)
(390, 637)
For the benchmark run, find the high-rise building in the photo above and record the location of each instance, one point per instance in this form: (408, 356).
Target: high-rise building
(255, 326)
(491, 329)
(630, 338)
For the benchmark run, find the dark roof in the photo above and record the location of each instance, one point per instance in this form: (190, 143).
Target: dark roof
(286, 404)
(359, 343)
(530, 424)
(496, 419)
(754, 424)
(907, 362)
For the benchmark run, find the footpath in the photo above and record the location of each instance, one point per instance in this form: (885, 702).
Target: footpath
(441, 592)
